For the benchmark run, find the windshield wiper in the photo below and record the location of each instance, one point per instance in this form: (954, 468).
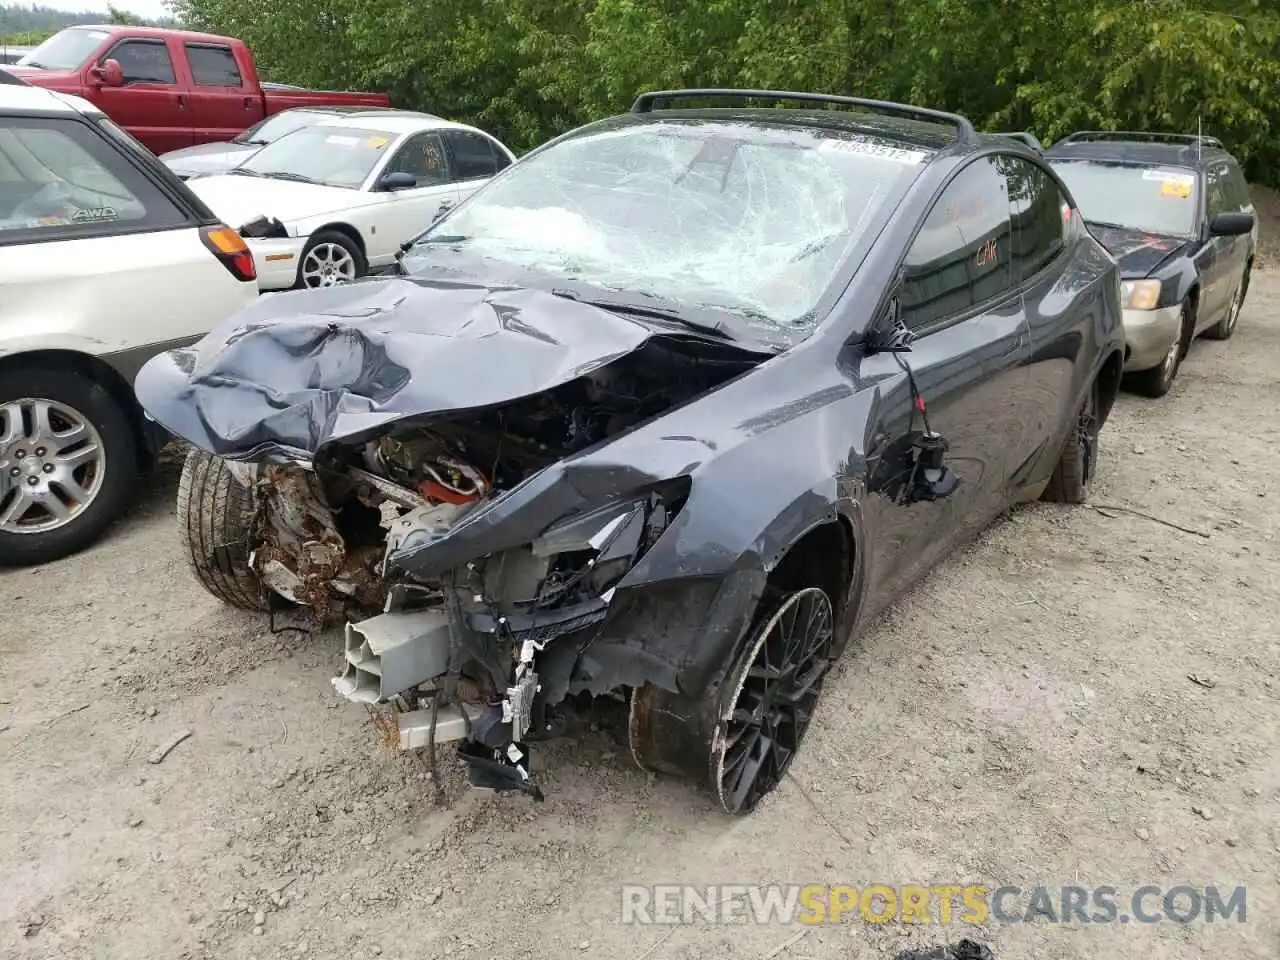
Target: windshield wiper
(284, 175)
(243, 172)
(38, 66)
(657, 313)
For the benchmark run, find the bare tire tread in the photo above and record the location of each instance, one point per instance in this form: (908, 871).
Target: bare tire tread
(215, 514)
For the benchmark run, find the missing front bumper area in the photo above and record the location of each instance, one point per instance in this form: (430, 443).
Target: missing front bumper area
(407, 665)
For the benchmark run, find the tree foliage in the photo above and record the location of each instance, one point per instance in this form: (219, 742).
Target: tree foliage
(529, 69)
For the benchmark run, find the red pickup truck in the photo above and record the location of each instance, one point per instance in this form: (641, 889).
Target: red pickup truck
(169, 88)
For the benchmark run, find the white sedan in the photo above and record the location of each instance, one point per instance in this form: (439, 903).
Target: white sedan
(332, 202)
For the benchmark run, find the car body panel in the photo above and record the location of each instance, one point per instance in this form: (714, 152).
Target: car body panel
(207, 158)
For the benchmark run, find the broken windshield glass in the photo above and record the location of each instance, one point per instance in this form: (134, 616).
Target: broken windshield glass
(754, 220)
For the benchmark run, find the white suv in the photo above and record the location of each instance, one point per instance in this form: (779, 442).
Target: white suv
(106, 259)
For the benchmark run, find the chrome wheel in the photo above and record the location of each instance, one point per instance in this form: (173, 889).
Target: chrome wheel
(772, 696)
(327, 264)
(52, 464)
(1170, 361)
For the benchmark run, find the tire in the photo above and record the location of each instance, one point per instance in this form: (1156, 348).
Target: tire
(1224, 328)
(329, 249)
(719, 739)
(215, 520)
(58, 462)
(1157, 381)
(1078, 460)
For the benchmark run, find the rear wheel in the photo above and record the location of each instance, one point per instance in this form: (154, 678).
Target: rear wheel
(68, 464)
(740, 743)
(1078, 460)
(216, 514)
(1157, 381)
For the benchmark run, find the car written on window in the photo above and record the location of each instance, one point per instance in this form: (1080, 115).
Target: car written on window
(1175, 212)
(334, 200)
(665, 412)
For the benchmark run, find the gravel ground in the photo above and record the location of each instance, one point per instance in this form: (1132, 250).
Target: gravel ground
(1024, 716)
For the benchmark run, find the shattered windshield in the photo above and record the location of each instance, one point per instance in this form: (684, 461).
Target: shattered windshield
(1153, 200)
(757, 220)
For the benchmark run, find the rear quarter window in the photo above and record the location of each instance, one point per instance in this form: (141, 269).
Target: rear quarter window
(61, 179)
(1039, 213)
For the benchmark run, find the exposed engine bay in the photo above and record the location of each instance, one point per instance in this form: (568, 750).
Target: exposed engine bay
(459, 657)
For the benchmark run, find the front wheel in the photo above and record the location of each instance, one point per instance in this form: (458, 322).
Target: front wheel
(331, 257)
(1157, 381)
(216, 516)
(1224, 328)
(68, 464)
(741, 741)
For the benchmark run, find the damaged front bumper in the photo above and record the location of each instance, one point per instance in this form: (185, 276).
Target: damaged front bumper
(461, 657)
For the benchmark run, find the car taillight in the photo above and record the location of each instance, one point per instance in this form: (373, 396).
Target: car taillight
(225, 244)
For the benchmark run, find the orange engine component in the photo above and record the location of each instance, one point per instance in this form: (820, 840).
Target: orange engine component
(452, 481)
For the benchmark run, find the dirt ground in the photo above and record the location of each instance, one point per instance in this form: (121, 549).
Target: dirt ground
(1024, 717)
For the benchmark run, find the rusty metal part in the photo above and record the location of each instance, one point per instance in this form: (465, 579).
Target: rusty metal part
(301, 555)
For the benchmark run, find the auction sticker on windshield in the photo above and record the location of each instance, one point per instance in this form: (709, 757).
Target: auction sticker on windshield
(1169, 176)
(342, 141)
(874, 150)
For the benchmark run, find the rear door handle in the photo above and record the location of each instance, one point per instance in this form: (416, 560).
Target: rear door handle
(181, 98)
(248, 102)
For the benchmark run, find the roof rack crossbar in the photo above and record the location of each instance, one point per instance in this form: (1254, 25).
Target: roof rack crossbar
(964, 129)
(1081, 136)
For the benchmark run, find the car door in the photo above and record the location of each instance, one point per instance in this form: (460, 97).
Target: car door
(475, 159)
(1054, 299)
(408, 211)
(1218, 268)
(1239, 201)
(221, 104)
(965, 368)
(152, 103)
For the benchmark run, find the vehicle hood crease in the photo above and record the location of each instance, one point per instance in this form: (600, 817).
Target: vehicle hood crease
(290, 374)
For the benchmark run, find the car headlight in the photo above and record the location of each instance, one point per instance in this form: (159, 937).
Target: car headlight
(1140, 294)
(596, 548)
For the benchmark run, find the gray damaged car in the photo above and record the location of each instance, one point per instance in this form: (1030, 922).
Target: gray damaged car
(663, 413)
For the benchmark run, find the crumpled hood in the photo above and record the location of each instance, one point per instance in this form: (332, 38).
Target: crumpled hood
(238, 199)
(1139, 254)
(295, 371)
(205, 158)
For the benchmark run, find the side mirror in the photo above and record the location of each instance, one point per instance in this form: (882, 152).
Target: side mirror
(109, 72)
(889, 334)
(397, 181)
(1231, 224)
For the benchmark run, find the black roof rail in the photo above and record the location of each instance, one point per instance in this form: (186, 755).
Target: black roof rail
(964, 129)
(1145, 136)
(1029, 139)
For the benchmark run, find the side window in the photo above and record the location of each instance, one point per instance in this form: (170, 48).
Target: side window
(960, 258)
(144, 61)
(423, 156)
(1217, 199)
(1239, 189)
(473, 157)
(60, 179)
(1038, 210)
(213, 66)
